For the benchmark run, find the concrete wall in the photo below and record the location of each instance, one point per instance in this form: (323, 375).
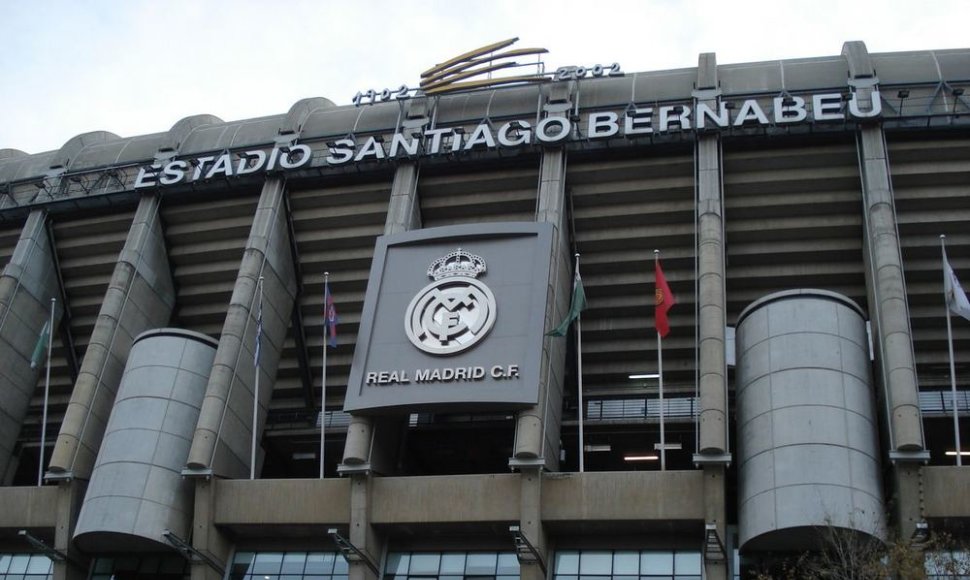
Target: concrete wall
(140, 297)
(465, 499)
(944, 492)
(27, 284)
(28, 507)
(137, 490)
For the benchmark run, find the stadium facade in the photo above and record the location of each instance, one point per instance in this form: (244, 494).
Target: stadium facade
(797, 206)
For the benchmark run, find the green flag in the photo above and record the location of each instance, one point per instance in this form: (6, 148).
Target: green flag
(578, 305)
(40, 349)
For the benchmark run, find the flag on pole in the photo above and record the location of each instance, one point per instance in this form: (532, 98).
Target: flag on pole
(577, 305)
(664, 301)
(40, 349)
(259, 332)
(330, 315)
(956, 298)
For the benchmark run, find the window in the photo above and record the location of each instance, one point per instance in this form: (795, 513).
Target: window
(947, 564)
(288, 566)
(451, 565)
(25, 567)
(157, 567)
(627, 565)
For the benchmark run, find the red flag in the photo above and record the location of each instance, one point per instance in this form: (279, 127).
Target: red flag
(665, 299)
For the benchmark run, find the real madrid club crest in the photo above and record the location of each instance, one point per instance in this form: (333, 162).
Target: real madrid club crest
(454, 312)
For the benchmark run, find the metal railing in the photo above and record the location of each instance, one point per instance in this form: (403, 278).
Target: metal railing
(641, 408)
(941, 402)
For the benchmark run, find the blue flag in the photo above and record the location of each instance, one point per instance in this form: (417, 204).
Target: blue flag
(329, 316)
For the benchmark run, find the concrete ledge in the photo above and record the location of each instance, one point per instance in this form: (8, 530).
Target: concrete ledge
(268, 502)
(623, 496)
(945, 492)
(446, 499)
(28, 507)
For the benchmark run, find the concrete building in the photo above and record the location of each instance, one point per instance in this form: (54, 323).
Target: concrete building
(798, 207)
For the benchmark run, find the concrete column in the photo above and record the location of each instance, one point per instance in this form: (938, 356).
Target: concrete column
(530, 521)
(885, 281)
(206, 538)
(362, 533)
(711, 314)
(69, 496)
(715, 512)
(403, 215)
(222, 440)
(711, 298)
(370, 440)
(888, 308)
(140, 297)
(542, 421)
(27, 284)
(887, 288)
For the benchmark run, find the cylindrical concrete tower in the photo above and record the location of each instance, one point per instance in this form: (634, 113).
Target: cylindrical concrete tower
(137, 491)
(806, 422)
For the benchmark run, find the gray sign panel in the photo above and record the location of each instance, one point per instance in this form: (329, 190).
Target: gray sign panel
(453, 320)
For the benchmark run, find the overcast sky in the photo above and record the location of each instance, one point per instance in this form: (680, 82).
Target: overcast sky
(135, 67)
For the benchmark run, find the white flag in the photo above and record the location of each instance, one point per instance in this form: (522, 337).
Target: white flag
(956, 298)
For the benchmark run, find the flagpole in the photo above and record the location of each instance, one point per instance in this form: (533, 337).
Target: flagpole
(949, 336)
(579, 373)
(323, 381)
(660, 373)
(259, 330)
(47, 390)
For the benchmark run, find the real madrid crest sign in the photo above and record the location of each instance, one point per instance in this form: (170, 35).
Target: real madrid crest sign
(455, 311)
(470, 339)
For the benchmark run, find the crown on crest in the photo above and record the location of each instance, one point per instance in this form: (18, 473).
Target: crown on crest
(457, 263)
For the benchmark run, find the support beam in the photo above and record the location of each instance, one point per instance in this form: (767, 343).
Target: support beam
(403, 215)
(537, 428)
(222, 441)
(27, 284)
(888, 307)
(140, 297)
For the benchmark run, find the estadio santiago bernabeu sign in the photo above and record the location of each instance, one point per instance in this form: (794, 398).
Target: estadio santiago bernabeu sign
(627, 122)
(453, 320)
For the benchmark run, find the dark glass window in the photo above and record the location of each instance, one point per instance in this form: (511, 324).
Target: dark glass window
(287, 566)
(451, 566)
(627, 565)
(25, 567)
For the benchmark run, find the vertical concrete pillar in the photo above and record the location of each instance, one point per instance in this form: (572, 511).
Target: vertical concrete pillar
(206, 538)
(403, 214)
(27, 284)
(887, 288)
(69, 496)
(362, 533)
(712, 452)
(888, 308)
(140, 297)
(537, 428)
(222, 441)
(369, 440)
(530, 521)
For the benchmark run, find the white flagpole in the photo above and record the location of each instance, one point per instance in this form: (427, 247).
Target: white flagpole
(47, 391)
(660, 373)
(259, 315)
(323, 384)
(579, 373)
(949, 336)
